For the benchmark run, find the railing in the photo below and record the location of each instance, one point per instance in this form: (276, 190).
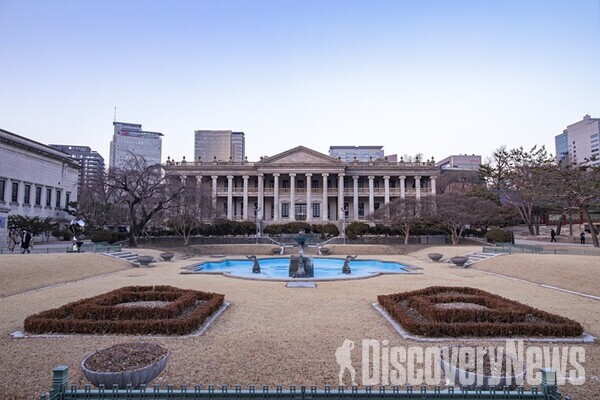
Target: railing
(62, 391)
(86, 247)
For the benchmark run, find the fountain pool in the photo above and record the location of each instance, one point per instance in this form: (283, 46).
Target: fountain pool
(277, 268)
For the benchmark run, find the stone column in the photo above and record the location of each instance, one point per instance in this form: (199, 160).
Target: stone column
(386, 186)
(230, 197)
(261, 197)
(214, 193)
(292, 196)
(325, 205)
(340, 197)
(371, 195)
(276, 205)
(355, 198)
(309, 215)
(418, 186)
(245, 201)
(402, 187)
(433, 189)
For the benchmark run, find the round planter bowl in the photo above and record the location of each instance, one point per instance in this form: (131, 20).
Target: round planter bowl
(435, 257)
(167, 256)
(145, 260)
(471, 380)
(137, 377)
(459, 260)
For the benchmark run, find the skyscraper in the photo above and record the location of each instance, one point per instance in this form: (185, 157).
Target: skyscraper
(130, 139)
(582, 142)
(219, 145)
(92, 164)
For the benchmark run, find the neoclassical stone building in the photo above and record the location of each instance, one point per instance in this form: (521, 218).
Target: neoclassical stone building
(301, 184)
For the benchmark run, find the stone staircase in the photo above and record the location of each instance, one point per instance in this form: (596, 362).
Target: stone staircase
(125, 255)
(478, 256)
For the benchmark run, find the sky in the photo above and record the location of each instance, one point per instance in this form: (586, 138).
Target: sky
(419, 76)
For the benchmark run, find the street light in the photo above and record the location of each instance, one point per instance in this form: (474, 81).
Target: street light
(256, 214)
(344, 211)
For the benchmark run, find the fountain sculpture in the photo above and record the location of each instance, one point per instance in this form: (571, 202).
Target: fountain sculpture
(346, 268)
(301, 266)
(255, 265)
(77, 226)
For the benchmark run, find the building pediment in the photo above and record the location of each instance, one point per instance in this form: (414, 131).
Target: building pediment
(299, 155)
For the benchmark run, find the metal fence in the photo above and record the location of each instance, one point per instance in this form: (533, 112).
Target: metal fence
(508, 248)
(86, 247)
(62, 391)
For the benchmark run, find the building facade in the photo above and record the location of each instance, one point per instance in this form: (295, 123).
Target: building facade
(35, 180)
(304, 185)
(582, 142)
(460, 162)
(219, 145)
(130, 139)
(91, 173)
(358, 153)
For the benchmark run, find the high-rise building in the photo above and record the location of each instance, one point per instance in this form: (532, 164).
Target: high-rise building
(130, 139)
(219, 145)
(462, 162)
(92, 164)
(358, 153)
(583, 142)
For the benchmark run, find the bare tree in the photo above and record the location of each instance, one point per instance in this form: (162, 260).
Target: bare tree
(94, 206)
(189, 211)
(142, 188)
(400, 213)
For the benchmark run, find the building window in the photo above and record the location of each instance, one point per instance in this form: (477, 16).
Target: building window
(300, 184)
(361, 210)
(285, 184)
(2, 186)
(392, 183)
(48, 197)
(15, 192)
(376, 184)
(58, 195)
(300, 212)
(224, 208)
(315, 184)
(67, 199)
(27, 199)
(38, 196)
(285, 210)
(361, 183)
(316, 210)
(376, 206)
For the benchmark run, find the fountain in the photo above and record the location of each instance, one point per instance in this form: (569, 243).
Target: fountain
(346, 268)
(255, 265)
(301, 266)
(77, 226)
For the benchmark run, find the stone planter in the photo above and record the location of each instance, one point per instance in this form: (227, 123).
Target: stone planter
(471, 380)
(145, 260)
(167, 256)
(137, 377)
(459, 260)
(435, 257)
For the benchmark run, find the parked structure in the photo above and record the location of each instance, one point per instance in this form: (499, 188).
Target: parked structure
(130, 138)
(35, 180)
(219, 145)
(92, 164)
(301, 184)
(580, 142)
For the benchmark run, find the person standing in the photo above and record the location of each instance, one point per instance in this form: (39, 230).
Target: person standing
(26, 242)
(552, 235)
(582, 237)
(12, 241)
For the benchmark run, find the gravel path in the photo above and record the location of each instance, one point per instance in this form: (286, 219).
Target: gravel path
(271, 334)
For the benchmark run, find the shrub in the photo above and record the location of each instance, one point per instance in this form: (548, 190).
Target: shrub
(62, 234)
(107, 236)
(355, 229)
(498, 236)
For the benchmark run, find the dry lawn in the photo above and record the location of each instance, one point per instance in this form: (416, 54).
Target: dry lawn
(271, 334)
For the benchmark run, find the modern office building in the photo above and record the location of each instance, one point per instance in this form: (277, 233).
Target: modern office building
(219, 145)
(35, 181)
(303, 184)
(130, 139)
(582, 142)
(462, 162)
(91, 173)
(358, 153)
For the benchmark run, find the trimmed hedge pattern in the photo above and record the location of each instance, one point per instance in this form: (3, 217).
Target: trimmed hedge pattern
(416, 311)
(186, 311)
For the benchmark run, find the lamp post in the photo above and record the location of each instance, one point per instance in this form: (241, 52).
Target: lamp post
(343, 211)
(256, 213)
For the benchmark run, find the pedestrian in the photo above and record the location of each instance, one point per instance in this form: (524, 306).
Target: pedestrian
(12, 240)
(25, 243)
(582, 237)
(552, 235)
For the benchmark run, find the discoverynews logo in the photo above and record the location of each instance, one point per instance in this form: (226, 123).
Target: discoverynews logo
(509, 364)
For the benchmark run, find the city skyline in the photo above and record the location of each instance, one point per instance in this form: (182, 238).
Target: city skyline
(433, 77)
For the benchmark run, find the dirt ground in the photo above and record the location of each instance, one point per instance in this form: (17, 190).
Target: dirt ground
(270, 334)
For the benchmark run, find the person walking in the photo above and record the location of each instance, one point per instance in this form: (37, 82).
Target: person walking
(26, 242)
(582, 237)
(12, 240)
(552, 235)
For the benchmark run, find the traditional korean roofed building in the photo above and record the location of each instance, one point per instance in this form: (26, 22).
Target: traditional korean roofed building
(302, 184)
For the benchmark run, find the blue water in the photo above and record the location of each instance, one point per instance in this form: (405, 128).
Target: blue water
(325, 268)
